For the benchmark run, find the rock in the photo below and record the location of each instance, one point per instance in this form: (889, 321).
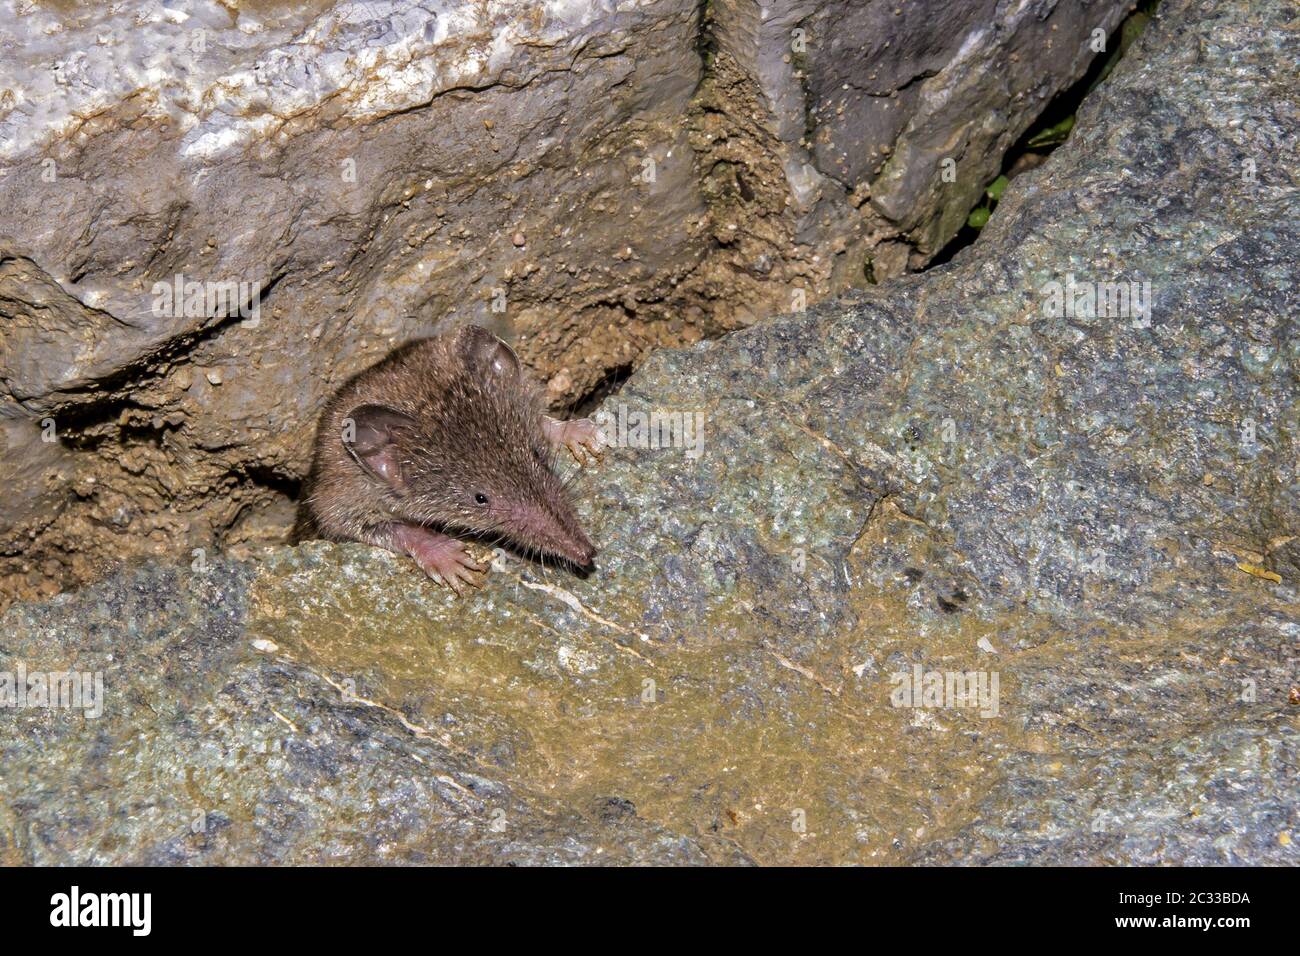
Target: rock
(284, 769)
(287, 194)
(782, 656)
(838, 98)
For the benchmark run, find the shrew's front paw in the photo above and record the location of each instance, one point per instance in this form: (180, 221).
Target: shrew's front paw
(442, 558)
(581, 436)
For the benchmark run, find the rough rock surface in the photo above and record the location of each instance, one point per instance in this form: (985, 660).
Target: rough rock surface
(371, 170)
(851, 110)
(1100, 510)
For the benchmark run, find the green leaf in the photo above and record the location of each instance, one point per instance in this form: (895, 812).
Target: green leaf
(997, 188)
(978, 218)
(1053, 135)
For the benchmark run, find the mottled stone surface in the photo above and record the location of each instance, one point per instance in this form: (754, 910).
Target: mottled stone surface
(371, 171)
(854, 110)
(240, 755)
(1099, 510)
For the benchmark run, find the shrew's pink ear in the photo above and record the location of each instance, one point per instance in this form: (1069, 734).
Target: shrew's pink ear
(486, 353)
(370, 436)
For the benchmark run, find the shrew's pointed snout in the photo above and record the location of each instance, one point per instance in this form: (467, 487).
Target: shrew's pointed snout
(583, 553)
(554, 531)
(572, 544)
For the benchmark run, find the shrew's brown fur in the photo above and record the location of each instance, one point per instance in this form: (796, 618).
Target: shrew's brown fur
(464, 430)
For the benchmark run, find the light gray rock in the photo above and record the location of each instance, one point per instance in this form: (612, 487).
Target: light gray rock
(859, 107)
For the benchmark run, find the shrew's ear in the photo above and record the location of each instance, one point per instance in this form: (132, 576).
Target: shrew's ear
(370, 436)
(485, 353)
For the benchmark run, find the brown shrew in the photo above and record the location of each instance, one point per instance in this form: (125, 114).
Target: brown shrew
(447, 435)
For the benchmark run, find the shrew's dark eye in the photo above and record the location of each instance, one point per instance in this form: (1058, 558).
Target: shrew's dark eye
(481, 498)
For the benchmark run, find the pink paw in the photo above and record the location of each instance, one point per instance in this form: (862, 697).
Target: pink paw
(581, 436)
(442, 558)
